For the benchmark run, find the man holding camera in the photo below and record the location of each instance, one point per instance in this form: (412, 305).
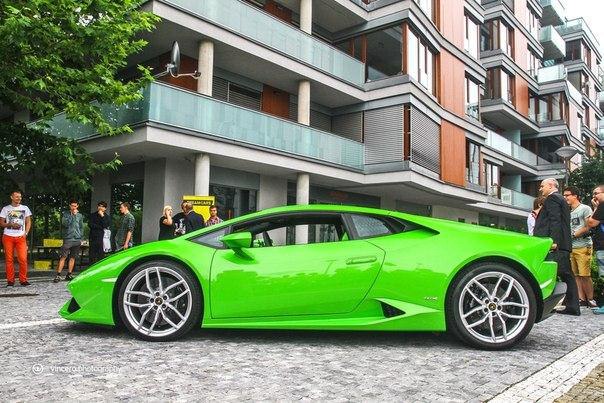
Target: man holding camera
(580, 256)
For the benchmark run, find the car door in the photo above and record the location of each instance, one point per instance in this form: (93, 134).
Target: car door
(293, 279)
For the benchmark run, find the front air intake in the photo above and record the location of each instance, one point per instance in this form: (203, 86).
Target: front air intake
(73, 306)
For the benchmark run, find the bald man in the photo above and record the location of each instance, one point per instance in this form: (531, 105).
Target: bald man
(554, 221)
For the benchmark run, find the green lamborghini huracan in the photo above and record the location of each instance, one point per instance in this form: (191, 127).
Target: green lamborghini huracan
(326, 267)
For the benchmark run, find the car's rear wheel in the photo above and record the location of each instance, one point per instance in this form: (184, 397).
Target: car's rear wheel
(159, 301)
(491, 306)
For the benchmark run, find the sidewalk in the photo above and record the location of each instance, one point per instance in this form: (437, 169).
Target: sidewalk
(34, 274)
(590, 389)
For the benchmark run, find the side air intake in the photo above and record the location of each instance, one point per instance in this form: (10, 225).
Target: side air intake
(390, 311)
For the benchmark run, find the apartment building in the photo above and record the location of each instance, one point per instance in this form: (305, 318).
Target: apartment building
(452, 108)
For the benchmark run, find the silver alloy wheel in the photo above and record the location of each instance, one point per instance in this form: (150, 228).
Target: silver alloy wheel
(157, 301)
(494, 307)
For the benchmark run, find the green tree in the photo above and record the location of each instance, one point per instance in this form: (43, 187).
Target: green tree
(64, 55)
(589, 175)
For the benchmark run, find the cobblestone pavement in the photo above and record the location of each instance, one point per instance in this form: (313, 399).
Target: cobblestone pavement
(57, 359)
(590, 389)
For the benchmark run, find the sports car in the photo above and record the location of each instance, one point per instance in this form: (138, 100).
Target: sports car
(326, 267)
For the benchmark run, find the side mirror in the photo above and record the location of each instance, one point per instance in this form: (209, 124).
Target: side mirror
(237, 240)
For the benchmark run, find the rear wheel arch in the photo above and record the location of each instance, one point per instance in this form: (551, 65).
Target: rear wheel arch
(131, 266)
(506, 261)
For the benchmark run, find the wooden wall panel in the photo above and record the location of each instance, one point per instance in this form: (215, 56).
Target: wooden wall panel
(452, 154)
(275, 101)
(278, 10)
(521, 10)
(522, 96)
(521, 49)
(187, 65)
(452, 79)
(451, 21)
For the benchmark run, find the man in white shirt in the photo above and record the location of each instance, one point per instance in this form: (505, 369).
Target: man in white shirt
(16, 221)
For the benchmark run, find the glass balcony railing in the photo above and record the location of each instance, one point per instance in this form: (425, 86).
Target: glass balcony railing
(554, 46)
(516, 199)
(554, 12)
(512, 149)
(551, 73)
(200, 114)
(250, 22)
(577, 25)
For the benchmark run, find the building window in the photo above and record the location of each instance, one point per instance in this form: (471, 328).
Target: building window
(420, 61)
(586, 120)
(381, 51)
(471, 39)
(533, 106)
(497, 35)
(573, 50)
(472, 98)
(533, 63)
(533, 23)
(429, 7)
(473, 163)
(384, 56)
(500, 85)
(492, 179)
(233, 202)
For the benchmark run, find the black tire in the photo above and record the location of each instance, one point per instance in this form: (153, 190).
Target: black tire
(164, 328)
(521, 293)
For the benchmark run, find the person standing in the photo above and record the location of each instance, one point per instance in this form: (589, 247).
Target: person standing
(16, 221)
(214, 219)
(580, 256)
(166, 225)
(554, 221)
(532, 217)
(73, 230)
(596, 221)
(188, 220)
(99, 222)
(125, 230)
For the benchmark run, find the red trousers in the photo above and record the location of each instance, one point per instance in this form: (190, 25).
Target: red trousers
(12, 243)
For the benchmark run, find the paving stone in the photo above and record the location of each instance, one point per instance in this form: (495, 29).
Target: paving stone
(101, 363)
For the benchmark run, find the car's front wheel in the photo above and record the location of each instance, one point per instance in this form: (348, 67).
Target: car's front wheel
(159, 301)
(491, 306)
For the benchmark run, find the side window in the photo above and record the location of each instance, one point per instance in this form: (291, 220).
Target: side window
(281, 230)
(367, 226)
(211, 238)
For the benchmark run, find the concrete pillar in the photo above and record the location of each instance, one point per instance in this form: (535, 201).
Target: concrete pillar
(306, 16)
(205, 66)
(302, 197)
(202, 175)
(153, 199)
(101, 190)
(304, 102)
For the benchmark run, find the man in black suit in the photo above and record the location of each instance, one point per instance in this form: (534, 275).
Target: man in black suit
(554, 221)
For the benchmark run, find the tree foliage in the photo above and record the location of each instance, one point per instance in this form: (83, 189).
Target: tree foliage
(589, 175)
(64, 56)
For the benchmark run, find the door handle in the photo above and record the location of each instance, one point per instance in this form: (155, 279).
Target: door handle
(361, 259)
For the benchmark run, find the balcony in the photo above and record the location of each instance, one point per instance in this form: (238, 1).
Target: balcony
(577, 25)
(554, 46)
(513, 150)
(554, 12)
(551, 73)
(258, 26)
(516, 199)
(206, 116)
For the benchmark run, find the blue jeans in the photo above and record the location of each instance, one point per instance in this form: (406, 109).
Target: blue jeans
(600, 262)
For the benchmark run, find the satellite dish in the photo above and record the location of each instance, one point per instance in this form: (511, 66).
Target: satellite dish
(174, 66)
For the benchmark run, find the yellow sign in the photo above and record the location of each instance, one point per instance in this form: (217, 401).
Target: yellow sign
(42, 265)
(52, 243)
(201, 204)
